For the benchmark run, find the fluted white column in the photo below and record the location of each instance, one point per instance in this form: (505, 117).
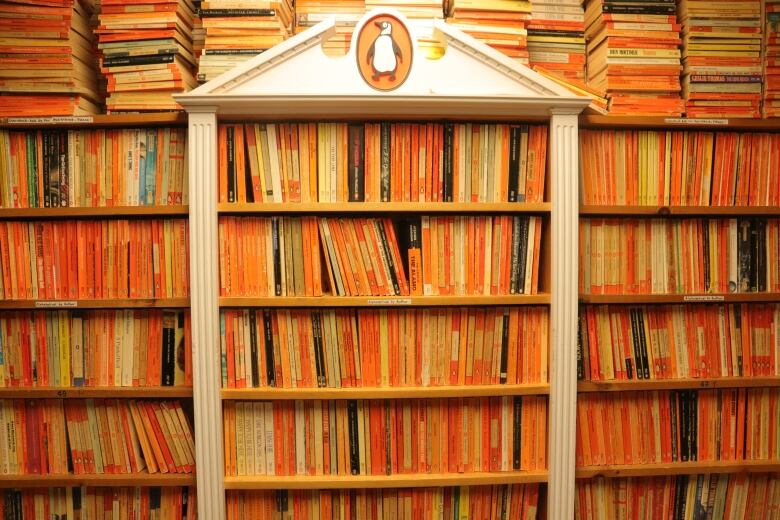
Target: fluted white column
(204, 285)
(563, 312)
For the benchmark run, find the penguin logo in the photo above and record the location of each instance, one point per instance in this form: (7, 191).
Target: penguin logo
(384, 52)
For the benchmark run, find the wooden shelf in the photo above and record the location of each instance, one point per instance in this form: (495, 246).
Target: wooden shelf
(682, 383)
(402, 392)
(674, 211)
(135, 303)
(676, 468)
(385, 481)
(383, 301)
(678, 123)
(112, 211)
(102, 480)
(84, 392)
(342, 208)
(680, 298)
(98, 120)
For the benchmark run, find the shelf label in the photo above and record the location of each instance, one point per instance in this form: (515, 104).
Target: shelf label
(695, 121)
(704, 298)
(56, 304)
(389, 301)
(49, 120)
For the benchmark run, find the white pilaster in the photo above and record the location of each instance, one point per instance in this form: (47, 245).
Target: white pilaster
(563, 313)
(204, 283)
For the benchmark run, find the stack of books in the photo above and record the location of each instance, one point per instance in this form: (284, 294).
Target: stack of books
(556, 37)
(721, 58)
(48, 65)
(500, 24)
(239, 30)
(346, 14)
(633, 55)
(772, 58)
(146, 53)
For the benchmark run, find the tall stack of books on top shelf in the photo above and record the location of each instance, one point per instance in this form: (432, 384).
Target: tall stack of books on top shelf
(48, 65)
(146, 53)
(633, 55)
(346, 13)
(771, 104)
(421, 14)
(721, 58)
(501, 24)
(556, 37)
(239, 30)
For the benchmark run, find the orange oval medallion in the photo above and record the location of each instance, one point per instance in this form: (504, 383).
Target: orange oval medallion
(384, 52)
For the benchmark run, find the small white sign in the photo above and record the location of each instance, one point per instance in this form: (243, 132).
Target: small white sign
(695, 121)
(56, 304)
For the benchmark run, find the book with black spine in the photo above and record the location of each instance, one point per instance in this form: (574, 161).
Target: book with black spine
(356, 175)
(268, 335)
(384, 164)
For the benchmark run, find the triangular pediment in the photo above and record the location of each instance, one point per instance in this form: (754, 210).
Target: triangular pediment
(298, 71)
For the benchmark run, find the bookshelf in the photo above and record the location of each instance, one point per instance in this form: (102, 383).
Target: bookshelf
(16, 312)
(614, 388)
(452, 88)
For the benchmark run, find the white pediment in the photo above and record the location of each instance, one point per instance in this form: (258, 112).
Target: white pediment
(297, 72)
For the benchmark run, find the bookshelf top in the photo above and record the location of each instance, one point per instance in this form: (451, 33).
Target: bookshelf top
(96, 121)
(677, 123)
(296, 79)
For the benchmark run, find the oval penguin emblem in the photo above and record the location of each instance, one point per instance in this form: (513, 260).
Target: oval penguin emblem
(384, 52)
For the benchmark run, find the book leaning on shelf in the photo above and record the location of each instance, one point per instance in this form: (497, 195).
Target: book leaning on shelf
(678, 426)
(340, 348)
(78, 259)
(680, 341)
(93, 167)
(679, 256)
(128, 348)
(382, 162)
(362, 256)
(361, 437)
(513, 502)
(733, 497)
(142, 503)
(100, 436)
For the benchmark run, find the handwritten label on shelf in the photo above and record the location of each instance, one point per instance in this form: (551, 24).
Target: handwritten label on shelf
(694, 121)
(49, 120)
(56, 304)
(704, 298)
(389, 301)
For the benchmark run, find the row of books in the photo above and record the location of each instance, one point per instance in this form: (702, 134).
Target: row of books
(688, 168)
(120, 348)
(720, 497)
(771, 58)
(677, 426)
(146, 53)
(55, 436)
(633, 55)
(721, 55)
(382, 162)
(140, 503)
(238, 31)
(675, 256)
(362, 256)
(340, 348)
(678, 341)
(77, 259)
(362, 437)
(95, 167)
(48, 66)
(508, 502)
